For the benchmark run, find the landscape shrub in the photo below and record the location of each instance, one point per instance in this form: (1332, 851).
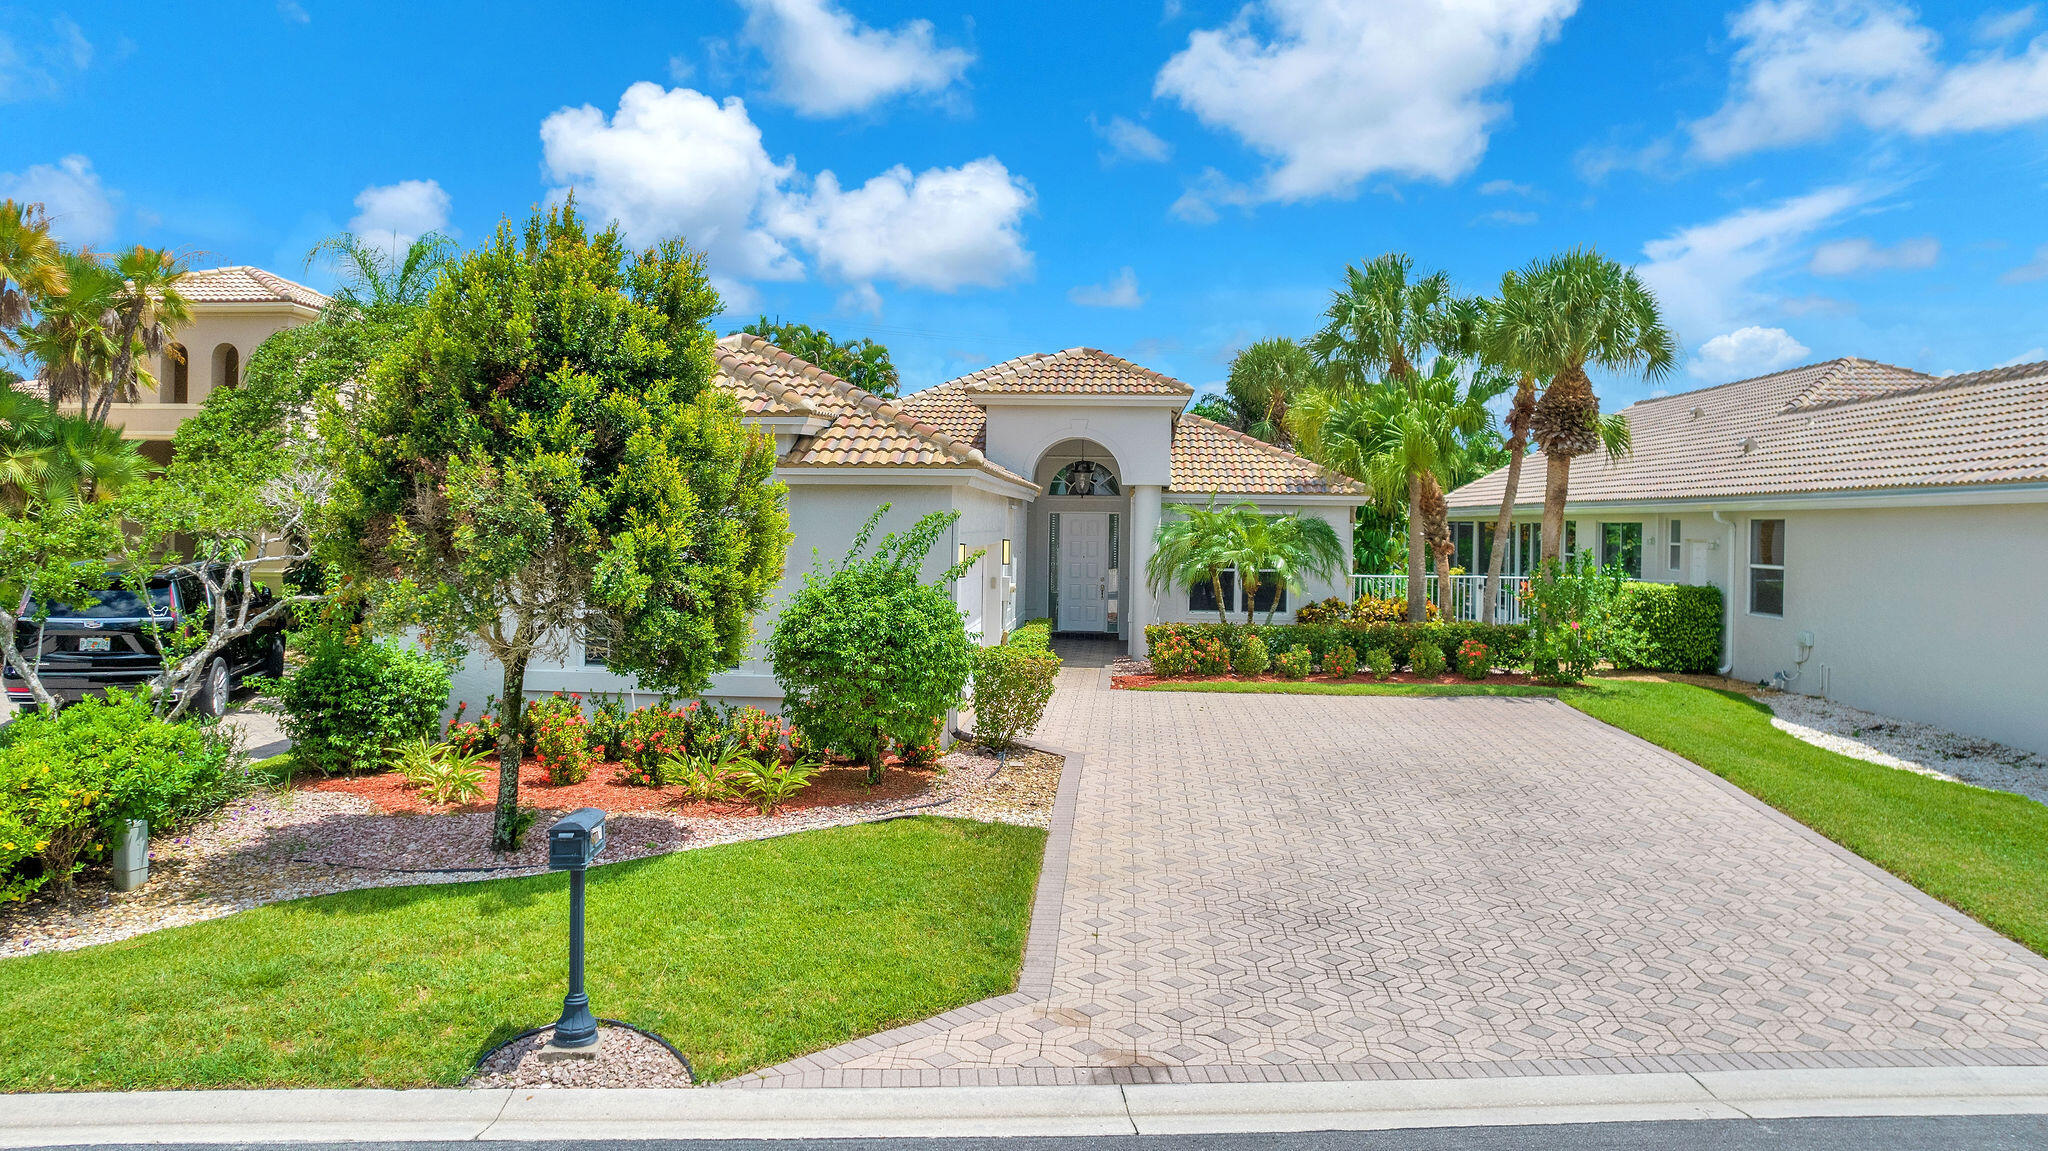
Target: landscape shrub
(1571, 608)
(1294, 663)
(1507, 643)
(353, 699)
(1340, 661)
(1012, 685)
(655, 734)
(560, 734)
(1389, 610)
(1252, 658)
(1379, 662)
(440, 772)
(1473, 659)
(1172, 654)
(923, 751)
(479, 734)
(1426, 659)
(772, 784)
(1331, 610)
(1212, 655)
(1667, 627)
(69, 782)
(752, 730)
(608, 728)
(1031, 635)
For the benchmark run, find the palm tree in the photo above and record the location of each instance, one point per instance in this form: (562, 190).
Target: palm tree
(50, 459)
(1294, 547)
(1196, 549)
(1599, 313)
(374, 277)
(1380, 325)
(147, 310)
(73, 336)
(1264, 378)
(1513, 334)
(31, 266)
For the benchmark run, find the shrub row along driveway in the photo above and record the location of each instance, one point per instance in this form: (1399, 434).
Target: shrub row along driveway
(1300, 887)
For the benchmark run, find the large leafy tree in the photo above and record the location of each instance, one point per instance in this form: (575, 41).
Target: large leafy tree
(868, 651)
(1600, 313)
(863, 363)
(546, 440)
(1386, 323)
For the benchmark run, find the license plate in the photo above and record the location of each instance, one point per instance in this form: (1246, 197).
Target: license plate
(95, 643)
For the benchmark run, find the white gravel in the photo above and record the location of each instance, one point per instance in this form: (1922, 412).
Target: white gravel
(625, 1058)
(1909, 746)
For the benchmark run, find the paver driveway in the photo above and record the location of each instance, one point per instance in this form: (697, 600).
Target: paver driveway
(1303, 887)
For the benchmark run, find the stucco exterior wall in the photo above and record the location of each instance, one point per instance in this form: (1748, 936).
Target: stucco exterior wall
(1172, 606)
(1140, 438)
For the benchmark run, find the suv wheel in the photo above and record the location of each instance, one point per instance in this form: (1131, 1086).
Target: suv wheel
(215, 688)
(273, 660)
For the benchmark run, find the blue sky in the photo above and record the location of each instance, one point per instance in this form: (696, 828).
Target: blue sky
(1800, 179)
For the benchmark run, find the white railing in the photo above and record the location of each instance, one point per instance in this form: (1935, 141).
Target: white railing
(1467, 593)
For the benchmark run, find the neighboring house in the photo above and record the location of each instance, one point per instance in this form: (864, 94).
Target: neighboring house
(1061, 467)
(1880, 533)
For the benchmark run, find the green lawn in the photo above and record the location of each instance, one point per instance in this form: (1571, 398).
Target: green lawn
(1310, 687)
(1983, 852)
(742, 956)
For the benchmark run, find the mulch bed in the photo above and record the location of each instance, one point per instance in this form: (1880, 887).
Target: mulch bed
(1449, 679)
(832, 787)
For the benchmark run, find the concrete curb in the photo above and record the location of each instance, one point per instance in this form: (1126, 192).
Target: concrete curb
(928, 1112)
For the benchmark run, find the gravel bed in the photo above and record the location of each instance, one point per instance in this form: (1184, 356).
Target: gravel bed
(625, 1058)
(278, 845)
(1909, 746)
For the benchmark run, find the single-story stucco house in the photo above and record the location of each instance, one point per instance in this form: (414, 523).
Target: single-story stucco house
(1880, 534)
(1061, 465)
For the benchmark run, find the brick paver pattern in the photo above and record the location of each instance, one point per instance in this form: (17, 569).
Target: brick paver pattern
(1271, 881)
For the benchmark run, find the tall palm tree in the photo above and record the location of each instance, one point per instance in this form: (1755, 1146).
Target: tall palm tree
(1513, 334)
(374, 277)
(1380, 325)
(31, 266)
(73, 338)
(146, 311)
(1294, 547)
(1195, 549)
(1264, 379)
(1601, 314)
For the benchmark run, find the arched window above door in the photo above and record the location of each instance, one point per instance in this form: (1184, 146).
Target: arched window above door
(1084, 478)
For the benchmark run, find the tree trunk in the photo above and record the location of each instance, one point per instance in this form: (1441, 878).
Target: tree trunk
(877, 756)
(1250, 592)
(1216, 587)
(1518, 450)
(45, 702)
(1418, 594)
(511, 753)
(1557, 473)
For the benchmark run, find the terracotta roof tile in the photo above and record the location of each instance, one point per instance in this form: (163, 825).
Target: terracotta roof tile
(1208, 457)
(1075, 371)
(860, 429)
(242, 284)
(1843, 425)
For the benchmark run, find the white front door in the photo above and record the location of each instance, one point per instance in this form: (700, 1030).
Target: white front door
(1698, 577)
(1084, 571)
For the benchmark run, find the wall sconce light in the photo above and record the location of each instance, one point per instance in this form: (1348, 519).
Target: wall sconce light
(961, 555)
(1006, 553)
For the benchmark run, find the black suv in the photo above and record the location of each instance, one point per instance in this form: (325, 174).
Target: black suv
(83, 651)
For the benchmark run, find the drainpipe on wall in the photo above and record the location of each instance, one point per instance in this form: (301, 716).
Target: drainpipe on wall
(1728, 597)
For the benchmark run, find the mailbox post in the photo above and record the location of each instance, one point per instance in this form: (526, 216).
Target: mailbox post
(573, 843)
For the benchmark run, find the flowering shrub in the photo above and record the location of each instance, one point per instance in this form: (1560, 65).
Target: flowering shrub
(1173, 656)
(477, 735)
(757, 733)
(1427, 660)
(653, 734)
(922, 752)
(1572, 608)
(1380, 662)
(561, 738)
(1252, 656)
(1474, 659)
(1212, 656)
(1292, 663)
(608, 728)
(1341, 662)
(1332, 610)
(1390, 610)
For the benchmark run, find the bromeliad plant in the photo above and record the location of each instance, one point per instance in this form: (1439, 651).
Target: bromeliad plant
(440, 772)
(774, 783)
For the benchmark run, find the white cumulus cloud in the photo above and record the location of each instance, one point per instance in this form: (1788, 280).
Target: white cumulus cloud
(2034, 269)
(1704, 274)
(1861, 254)
(392, 216)
(675, 162)
(826, 63)
(80, 209)
(1335, 91)
(1120, 292)
(1806, 69)
(1746, 352)
(1130, 140)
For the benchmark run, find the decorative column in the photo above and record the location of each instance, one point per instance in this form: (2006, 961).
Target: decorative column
(1144, 527)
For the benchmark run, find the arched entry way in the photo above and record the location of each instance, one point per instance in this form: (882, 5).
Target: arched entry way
(1079, 533)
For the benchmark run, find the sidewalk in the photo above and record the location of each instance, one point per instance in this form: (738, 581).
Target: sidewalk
(896, 1112)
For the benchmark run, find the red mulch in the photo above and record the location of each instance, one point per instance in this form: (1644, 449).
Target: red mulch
(1495, 679)
(832, 787)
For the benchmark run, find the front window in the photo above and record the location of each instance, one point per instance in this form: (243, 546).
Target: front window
(597, 638)
(1272, 593)
(1465, 540)
(1621, 545)
(1675, 542)
(1767, 567)
(1202, 594)
(1083, 478)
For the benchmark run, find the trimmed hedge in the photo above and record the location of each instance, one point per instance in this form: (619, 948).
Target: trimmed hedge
(1506, 644)
(1034, 634)
(1667, 627)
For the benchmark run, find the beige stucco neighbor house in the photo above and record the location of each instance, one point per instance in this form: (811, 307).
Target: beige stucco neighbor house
(1061, 466)
(1880, 534)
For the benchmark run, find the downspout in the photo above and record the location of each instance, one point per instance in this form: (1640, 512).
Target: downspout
(1728, 595)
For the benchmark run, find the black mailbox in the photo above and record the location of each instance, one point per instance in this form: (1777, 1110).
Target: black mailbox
(575, 841)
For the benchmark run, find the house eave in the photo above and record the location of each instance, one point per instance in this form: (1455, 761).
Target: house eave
(905, 476)
(1932, 495)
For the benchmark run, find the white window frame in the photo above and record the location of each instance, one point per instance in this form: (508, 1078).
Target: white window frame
(1675, 545)
(1755, 567)
(595, 638)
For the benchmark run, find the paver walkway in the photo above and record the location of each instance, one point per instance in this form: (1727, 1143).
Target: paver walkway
(1263, 887)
